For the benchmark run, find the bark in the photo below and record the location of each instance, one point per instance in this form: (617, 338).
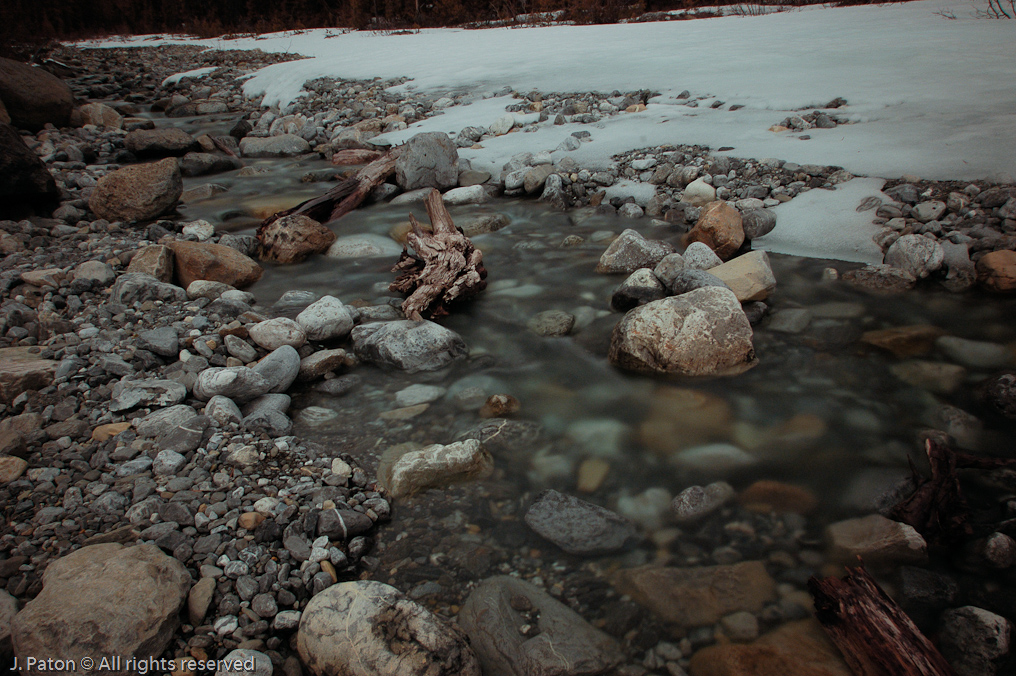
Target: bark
(872, 632)
(446, 266)
(355, 156)
(345, 196)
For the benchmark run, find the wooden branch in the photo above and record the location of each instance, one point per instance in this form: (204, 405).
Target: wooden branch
(355, 156)
(223, 147)
(872, 632)
(937, 509)
(446, 266)
(345, 196)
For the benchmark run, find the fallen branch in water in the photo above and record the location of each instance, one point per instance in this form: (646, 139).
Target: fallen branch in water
(446, 266)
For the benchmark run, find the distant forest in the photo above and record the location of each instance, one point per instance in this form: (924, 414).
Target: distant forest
(35, 21)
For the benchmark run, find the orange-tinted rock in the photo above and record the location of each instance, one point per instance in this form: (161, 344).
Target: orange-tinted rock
(33, 96)
(138, 192)
(904, 341)
(719, 228)
(204, 260)
(794, 649)
(681, 418)
(774, 496)
(291, 239)
(155, 260)
(996, 271)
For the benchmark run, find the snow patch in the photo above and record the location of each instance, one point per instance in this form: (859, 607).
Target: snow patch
(195, 74)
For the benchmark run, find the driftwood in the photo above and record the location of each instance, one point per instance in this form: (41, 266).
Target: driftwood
(874, 634)
(345, 196)
(937, 509)
(223, 147)
(446, 266)
(355, 156)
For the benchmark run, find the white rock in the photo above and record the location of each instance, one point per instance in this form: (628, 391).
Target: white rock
(435, 465)
(203, 230)
(366, 245)
(272, 334)
(326, 319)
(698, 192)
(916, 254)
(473, 194)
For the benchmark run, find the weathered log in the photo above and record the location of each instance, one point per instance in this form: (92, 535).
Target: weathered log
(937, 509)
(345, 196)
(446, 266)
(874, 634)
(355, 156)
(223, 147)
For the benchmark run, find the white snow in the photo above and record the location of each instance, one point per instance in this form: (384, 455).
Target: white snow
(930, 96)
(826, 224)
(195, 74)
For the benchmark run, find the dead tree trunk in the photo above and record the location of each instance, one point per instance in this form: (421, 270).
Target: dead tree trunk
(355, 156)
(345, 196)
(446, 266)
(874, 634)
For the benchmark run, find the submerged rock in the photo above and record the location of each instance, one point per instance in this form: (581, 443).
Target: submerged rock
(436, 465)
(577, 526)
(408, 345)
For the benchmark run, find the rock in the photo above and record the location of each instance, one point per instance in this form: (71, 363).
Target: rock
(879, 541)
(699, 256)
(748, 276)
(32, 96)
(502, 125)
(128, 394)
(168, 142)
(206, 288)
(793, 649)
(407, 345)
(272, 334)
(95, 273)
(11, 468)
(247, 662)
(138, 192)
(551, 323)
(693, 597)
(339, 635)
(98, 114)
(137, 287)
(435, 465)
(689, 279)
(20, 372)
(363, 246)
(668, 268)
(326, 319)
(915, 254)
(8, 609)
(321, 362)
(473, 194)
(929, 211)
(961, 274)
(127, 603)
(930, 375)
(239, 383)
(268, 421)
(996, 271)
(24, 178)
(975, 354)
(485, 224)
(578, 527)
(714, 458)
(719, 228)
(881, 279)
(757, 222)
(157, 423)
(223, 410)
(641, 287)
(697, 502)
(341, 525)
(682, 418)
(155, 260)
(561, 643)
(279, 368)
(631, 251)
(285, 145)
(698, 193)
(702, 332)
(974, 639)
(904, 341)
(428, 160)
(163, 341)
(207, 261)
(535, 177)
(291, 239)
(766, 496)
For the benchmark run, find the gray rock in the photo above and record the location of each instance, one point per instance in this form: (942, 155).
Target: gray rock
(975, 354)
(428, 160)
(406, 473)
(128, 394)
(268, 421)
(185, 437)
(667, 268)
(690, 279)
(641, 287)
(159, 142)
(168, 463)
(415, 641)
(916, 255)
(241, 349)
(239, 383)
(366, 245)
(272, 401)
(554, 193)
(162, 341)
(551, 323)
(272, 334)
(929, 211)
(656, 338)
(223, 410)
(699, 256)
(342, 525)
(485, 224)
(157, 423)
(279, 368)
(326, 319)
(630, 210)
(137, 287)
(578, 527)
(631, 251)
(96, 273)
(560, 643)
(243, 659)
(285, 145)
(973, 639)
(407, 345)
(757, 222)
(696, 502)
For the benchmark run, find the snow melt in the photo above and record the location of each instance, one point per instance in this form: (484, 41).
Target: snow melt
(195, 74)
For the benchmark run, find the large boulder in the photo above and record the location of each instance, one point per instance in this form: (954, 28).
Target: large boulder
(33, 96)
(429, 160)
(21, 371)
(702, 332)
(215, 262)
(562, 643)
(104, 600)
(24, 179)
(364, 628)
(291, 239)
(719, 227)
(996, 271)
(408, 345)
(436, 465)
(98, 114)
(159, 142)
(138, 192)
